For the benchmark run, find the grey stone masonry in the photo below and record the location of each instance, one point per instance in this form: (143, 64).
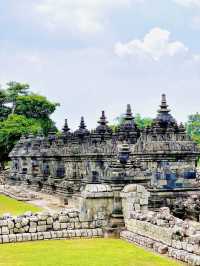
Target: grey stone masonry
(179, 254)
(160, 231)
(161, 156)
(41, 226)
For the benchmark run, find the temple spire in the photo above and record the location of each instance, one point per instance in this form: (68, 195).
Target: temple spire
(164, 105)
(164, 119)
(128, 115)
(66, 128)
(181, 127)
(102, 121)
(82, 131)
(82, 123)
(103, 127)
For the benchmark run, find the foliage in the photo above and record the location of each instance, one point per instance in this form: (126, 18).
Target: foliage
(80, 252)
(22, 112)
(193, 127)
(12, 129)
(34, 106)
(14, 90)
(4, 110)
(14, 207)
(141, 122)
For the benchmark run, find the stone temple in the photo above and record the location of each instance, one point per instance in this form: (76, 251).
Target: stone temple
(162, 158)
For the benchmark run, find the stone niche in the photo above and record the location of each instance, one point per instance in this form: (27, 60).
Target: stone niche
(94, 201)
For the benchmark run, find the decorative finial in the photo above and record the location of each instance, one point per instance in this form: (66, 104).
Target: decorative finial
(103, 120)
(164, 105)
(66, 127)
(128, 110)
(82, 131)
(82, 123)
(103, 127)
(181, 127)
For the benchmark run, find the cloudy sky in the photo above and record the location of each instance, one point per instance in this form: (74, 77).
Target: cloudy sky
(93, 55)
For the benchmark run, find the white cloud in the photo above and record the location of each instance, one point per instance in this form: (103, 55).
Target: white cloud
(188, 3)
(156, 44)
(85, 16)
(86, 81)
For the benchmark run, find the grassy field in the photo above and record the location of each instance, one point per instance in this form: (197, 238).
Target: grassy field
(94, 252)
(14, 207)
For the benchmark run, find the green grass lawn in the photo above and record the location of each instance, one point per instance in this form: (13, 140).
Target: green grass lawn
(93, 252)
(15, 207)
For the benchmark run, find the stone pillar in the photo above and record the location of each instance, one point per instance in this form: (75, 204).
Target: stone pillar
(134, 198)
(94, 201)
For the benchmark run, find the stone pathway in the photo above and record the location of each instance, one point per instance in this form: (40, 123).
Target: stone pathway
(48, 202)
(42, 200)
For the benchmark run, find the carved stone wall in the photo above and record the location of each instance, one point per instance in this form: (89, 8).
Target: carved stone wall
(161, 156)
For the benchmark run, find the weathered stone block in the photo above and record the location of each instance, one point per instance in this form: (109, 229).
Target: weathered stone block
(4, 230)
(56, 226)
(42, 222)
(63, 219)
(63, 225)
(40, 236)
(34, 236)
(32, 229)
(12, 238)
(41, 228)
(26, 237)
(49, 220)
(5, 239)
(24, 221)
(19, 237)
(10, 225)
(47, 235)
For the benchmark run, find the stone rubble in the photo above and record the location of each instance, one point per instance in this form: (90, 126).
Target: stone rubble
(160, 231)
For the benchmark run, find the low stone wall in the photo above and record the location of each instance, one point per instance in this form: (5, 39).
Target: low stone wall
(65, 224)
(161, 248)
(159, 231)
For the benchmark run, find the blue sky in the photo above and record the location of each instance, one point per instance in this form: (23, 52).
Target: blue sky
(93, 55)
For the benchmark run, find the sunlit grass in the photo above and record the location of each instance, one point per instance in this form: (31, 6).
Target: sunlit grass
(93, 252)
(15, 207)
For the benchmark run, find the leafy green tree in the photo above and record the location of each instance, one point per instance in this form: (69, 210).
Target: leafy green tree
(141, 122)
(34, 106)
(12, 129)
(14, 90)
(29, 113)
(37, 107)
(193, 127)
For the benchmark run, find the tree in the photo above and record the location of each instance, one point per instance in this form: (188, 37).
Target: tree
(34, 106)
(4, 110)
(14, 90)
(29, 113)
(193, 127)
(12, 129)
(141, 122)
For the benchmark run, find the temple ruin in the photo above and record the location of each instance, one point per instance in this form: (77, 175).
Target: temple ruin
(162, 158)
